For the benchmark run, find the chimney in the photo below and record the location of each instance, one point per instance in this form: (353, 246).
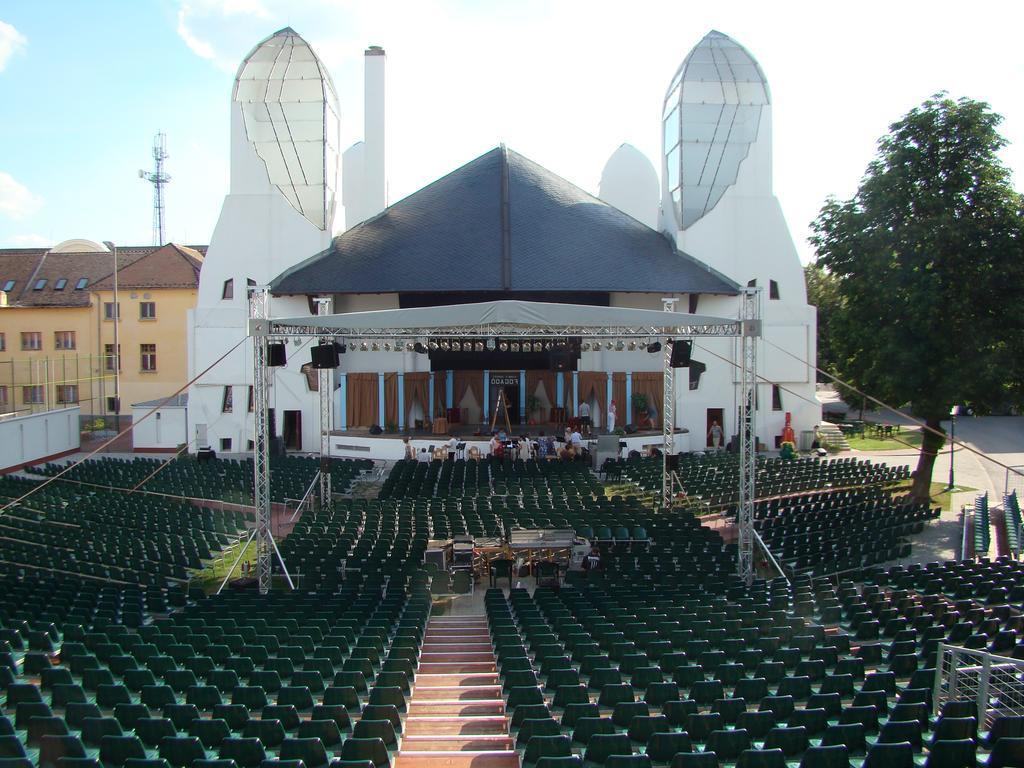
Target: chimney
(375, 191)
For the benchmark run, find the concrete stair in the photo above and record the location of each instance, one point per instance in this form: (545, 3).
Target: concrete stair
(456, 716)
(832, 435)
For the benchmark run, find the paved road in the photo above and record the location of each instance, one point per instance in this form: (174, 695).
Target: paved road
(989, 440)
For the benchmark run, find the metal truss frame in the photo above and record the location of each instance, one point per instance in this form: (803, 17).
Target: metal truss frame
(747, 328)
(668, 414)
(325, 305)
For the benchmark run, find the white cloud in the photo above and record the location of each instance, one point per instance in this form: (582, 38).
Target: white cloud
(28, 241)
(11, 42)
(16, 200)
(210, 14)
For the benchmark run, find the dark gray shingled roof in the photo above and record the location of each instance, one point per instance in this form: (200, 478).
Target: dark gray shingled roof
(501, 223)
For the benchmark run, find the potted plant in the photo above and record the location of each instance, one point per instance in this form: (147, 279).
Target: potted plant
(639, 402)
(532, 406)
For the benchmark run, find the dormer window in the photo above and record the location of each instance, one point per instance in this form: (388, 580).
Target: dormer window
(82, 282)
(9, 286)
(60, 284)
(40, 284)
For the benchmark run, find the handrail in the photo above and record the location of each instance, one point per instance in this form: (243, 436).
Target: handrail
(771, 557)
(963, 534)
(306, 497)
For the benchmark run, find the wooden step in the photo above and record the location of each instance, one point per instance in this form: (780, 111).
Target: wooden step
(438, 759)
(467, 709)
(477, 635)
(463, 645)
(457, 668)
(457, 693)
(433, 657)
(465, 725)
(430, 680)
(457, 743)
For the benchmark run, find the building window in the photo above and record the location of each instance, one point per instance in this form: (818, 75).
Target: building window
(40, 284)
(752, 283)
(4, 398)
(9, 286)
(108, 310)
(225, 444)
(64, 340)
(112, 405)
(252, 400)
(250, 445)
(61, 284)
(32, 395)
(3, 342)
(694, 301)
(108, 357)
(773, 290)
(67, 393)
(227, 401)
(81, 284)
(148, 355)
(228, 292)
(776, 397)
(31, 340)
(147, 310)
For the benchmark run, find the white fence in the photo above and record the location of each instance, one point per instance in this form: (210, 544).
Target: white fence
(994, 683)
(28, 439)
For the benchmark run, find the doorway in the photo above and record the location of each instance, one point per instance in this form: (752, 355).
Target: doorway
(507, 382)
(293, 430)
(714, 415)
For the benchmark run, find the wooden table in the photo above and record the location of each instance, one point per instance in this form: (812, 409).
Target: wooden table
(440, 426)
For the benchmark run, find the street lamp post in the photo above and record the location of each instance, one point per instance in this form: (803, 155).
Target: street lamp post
(953, 413)
(117, 348)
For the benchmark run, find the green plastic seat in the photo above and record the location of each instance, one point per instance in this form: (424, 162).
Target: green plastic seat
(54, 747)
(115, 750)
(181, 751)
(601, 746)
(663, 746)
(373, 750)
(546, 746)
(211, 732)
(270, 732)
(246, 752)
(310, 751)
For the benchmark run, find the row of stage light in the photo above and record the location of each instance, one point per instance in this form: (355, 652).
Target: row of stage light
(327, 354)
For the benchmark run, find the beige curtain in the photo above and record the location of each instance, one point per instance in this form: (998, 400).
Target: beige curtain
(594, 383)
(652, 385)
(417, 389)
(362, 399)
(440, 401)
(473, 381)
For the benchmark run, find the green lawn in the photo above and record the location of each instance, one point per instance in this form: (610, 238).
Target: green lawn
(939, 493)
(908, 437)
(211, 577)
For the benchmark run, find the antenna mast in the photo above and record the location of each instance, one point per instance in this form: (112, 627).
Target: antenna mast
(158, 178)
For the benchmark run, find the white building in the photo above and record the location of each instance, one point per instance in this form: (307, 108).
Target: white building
(500, 227)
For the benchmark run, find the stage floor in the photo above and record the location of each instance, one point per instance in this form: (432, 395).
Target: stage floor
(474, 432)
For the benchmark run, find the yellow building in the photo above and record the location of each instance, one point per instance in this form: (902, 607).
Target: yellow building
(57, 325)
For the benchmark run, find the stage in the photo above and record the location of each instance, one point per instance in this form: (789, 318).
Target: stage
(359, 443)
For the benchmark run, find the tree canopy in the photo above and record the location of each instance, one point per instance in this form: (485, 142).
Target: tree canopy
(928, 259)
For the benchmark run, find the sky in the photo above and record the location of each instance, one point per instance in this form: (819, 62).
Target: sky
(85, 86)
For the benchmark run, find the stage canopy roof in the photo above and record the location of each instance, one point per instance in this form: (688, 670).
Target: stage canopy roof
(501, 223)
(504, 318)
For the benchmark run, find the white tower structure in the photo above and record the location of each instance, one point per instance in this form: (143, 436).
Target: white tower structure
(364, 164)
(630, 183)
(279, 210)
(718, 203)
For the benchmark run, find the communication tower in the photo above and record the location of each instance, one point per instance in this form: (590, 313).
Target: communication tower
(158, 178)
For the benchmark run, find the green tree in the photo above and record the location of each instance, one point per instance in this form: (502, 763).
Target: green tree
(928, 260)
(823, 293)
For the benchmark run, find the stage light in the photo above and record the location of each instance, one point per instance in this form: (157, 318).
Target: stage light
(445, 346)
(432, 346)
(420, 349)
(490, 345)
(375, 347)
(631, 346)
(655, 347)
(387, 346)
(456, 346)
(297, 341)
(364, 346)
(608, 346)
(503, 346)
(480, 346)
(515, 346)
(527, 347)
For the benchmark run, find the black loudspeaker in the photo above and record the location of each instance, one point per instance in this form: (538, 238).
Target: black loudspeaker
(630, 429)
(324, 356)
(277, 354)
(375, 429)
(696, 369)
(681, 353)
(206, 454)
(672, 461)
(562, 359)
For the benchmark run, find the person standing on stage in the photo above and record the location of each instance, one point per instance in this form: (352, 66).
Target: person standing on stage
(584, 417)
(611, 417)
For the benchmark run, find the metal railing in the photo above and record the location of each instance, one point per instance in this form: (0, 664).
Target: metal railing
(994, 683)
(306, 502)
(771, 558)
